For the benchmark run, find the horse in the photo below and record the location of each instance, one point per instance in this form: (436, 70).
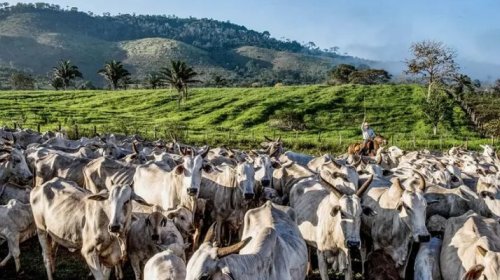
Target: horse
(371, 146)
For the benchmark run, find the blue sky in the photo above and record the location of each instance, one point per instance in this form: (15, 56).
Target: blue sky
(374, 29)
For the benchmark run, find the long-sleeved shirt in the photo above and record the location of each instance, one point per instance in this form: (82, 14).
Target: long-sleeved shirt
(367, 133)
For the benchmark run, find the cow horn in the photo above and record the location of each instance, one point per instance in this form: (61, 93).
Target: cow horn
(357, 163)
(336, 164)
(268, 139)
(203, 153)
(278, 139)
(134, 148)
(210, 234)
(364, 187)
(222, 252)
(397, 183)
(421, 180)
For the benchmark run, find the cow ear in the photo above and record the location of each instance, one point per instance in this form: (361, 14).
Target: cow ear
(474, 272)
(208, 168)
(102, 195)
(171, 214)
(399, 206)
(203, 153)
(481, 250)
(5, 157)
(335, 210)
(369, 211)
(179, 169)
(139, 199)
(276, 164)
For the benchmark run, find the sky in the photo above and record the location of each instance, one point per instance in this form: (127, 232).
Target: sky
(380, 30)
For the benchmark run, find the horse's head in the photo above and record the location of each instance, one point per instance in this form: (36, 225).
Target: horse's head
(380, 140)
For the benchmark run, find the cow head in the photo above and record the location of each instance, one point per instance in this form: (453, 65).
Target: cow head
(412, 209)
(191, 169)
(14, 162)
(264, 168)
(154, 222)
(118, 207)
(183, 219)
(489, 267)
(245, 178)
(344, 177)
(206, 261)
(274, 148)
(347, 209)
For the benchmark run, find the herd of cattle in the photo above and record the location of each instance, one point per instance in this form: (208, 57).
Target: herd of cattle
(175, 211)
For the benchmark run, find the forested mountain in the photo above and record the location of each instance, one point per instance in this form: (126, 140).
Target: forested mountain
(33, 37)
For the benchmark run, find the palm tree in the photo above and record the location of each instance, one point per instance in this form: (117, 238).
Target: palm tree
(114, 72)
(153, 80)
(179, 76)
(66, 72)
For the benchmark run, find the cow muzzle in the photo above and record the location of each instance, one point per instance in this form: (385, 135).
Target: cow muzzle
(353, 244)
(423, 238)
(192, 191)
(114, 228)
(265, 182)
(249, 196)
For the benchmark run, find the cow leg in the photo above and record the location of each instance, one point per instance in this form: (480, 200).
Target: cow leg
(136, 266)
(14, 248)
(106, 272)
(218, 231)
(323, 266)
(119, 271)
(309, 264)
(92, 258)
(45, 243)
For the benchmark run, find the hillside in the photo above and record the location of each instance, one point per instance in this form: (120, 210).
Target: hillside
(327, 117)
(33, 37)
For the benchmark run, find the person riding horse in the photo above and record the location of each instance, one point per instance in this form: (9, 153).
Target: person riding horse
(368, 136)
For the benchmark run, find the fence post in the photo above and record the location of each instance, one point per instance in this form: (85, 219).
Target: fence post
(466, 143)
(340, 139)
(414, 142)
(59, 127)
(95, 131)
(15, 125)
(76, 132)
(38, 128)
(440, 142)
(492, 141)
(154, 133)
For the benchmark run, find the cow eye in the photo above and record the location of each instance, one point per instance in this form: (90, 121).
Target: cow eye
(342, 215)
(182, 218)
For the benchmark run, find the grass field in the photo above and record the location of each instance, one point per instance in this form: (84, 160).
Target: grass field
(330, 116)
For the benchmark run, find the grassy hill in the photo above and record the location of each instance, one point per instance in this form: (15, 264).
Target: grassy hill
(328, 118)
(34, 37)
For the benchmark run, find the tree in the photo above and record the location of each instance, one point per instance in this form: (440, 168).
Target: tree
(57, 83)
(66, 72)
(462, 84)
(437, 108)
(114, 72)
(179, 76)
(340, 74)
(369, 77)
(434, 61)
(21, 81)
(153, 80)
(218, 80)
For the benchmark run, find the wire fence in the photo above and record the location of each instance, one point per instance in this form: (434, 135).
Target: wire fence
(315, 141)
